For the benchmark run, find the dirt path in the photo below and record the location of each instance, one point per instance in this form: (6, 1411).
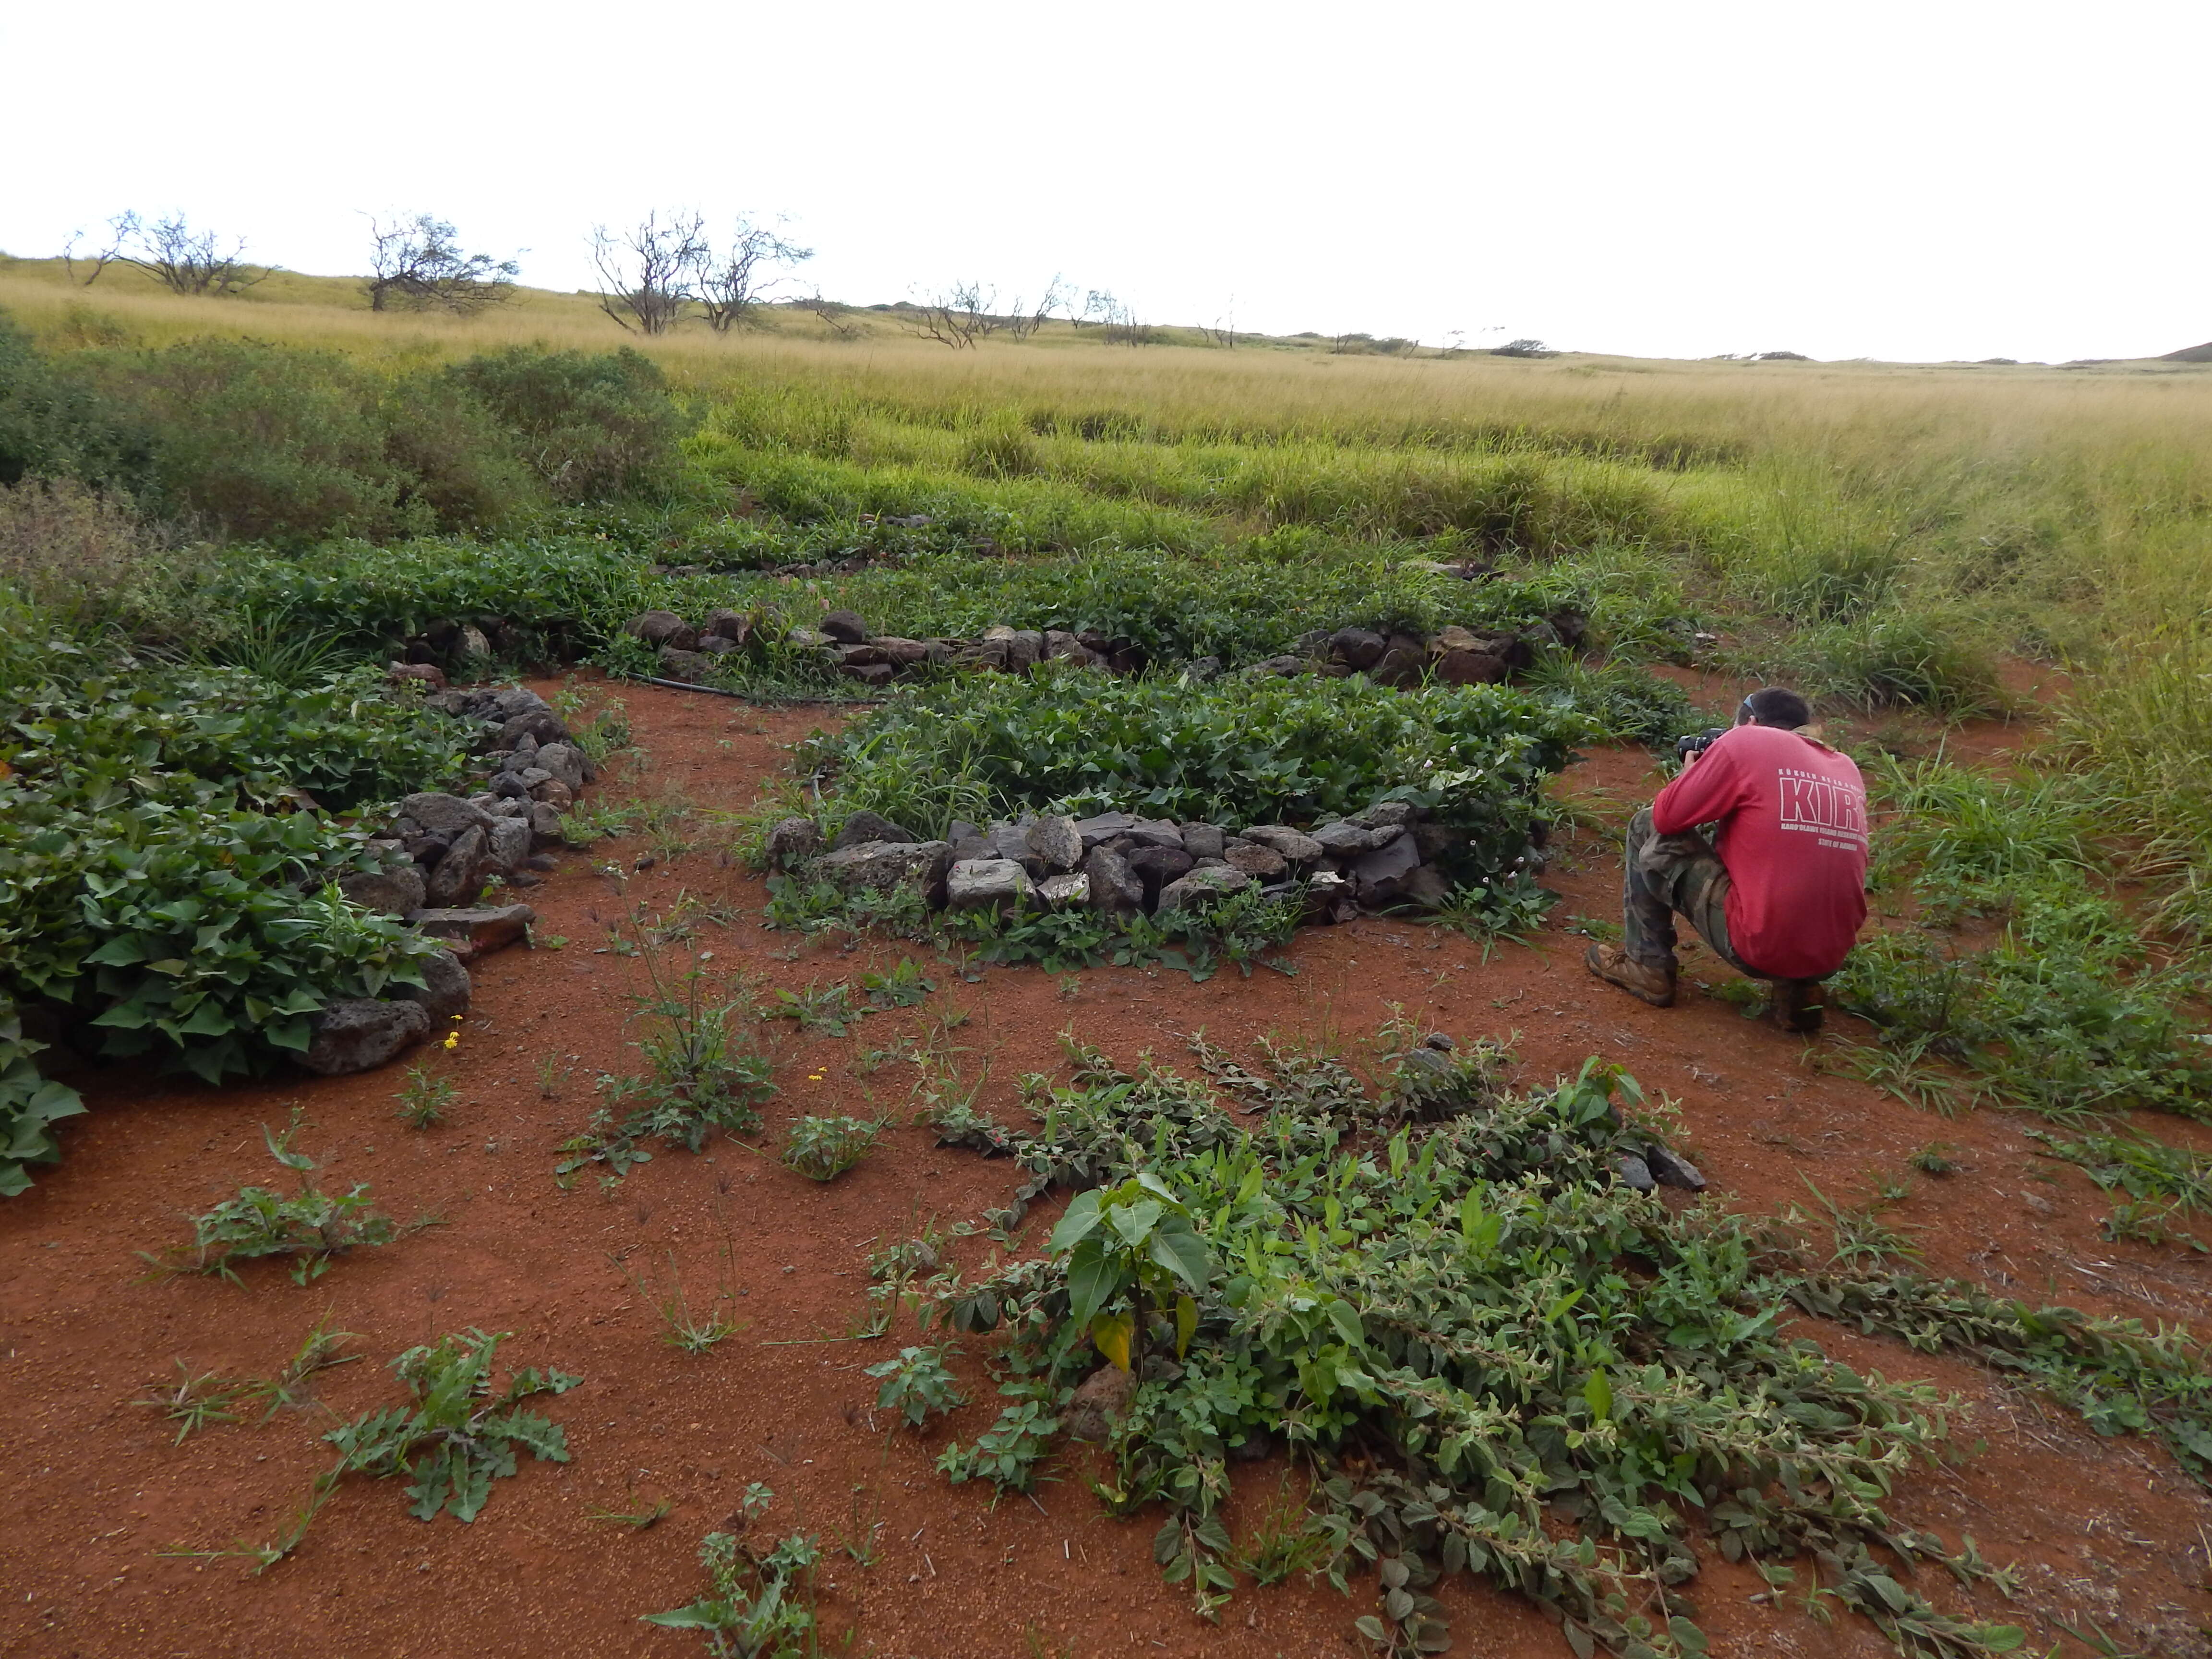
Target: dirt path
(93, 1486)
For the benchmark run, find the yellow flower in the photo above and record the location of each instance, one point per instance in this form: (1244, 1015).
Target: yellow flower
(453, 1039)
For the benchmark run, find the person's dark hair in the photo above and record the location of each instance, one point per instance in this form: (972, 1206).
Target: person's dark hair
(1773, 706)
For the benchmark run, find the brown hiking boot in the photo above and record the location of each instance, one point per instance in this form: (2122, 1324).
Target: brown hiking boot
(1652, 981)
(1797, 1006)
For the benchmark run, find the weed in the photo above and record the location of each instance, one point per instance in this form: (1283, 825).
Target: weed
(917, 1384)
(312, 1227)
(1284, 1540)
(636, 1520)
(903, 987)
(702, 1078)
(1384, 1298)
(456, 1437)
(552, 1076)
(1861, 1238)
(291, 1388)
(688, 1331)
(824, 1148)
(824, 1011)
(1512, 909)
(1937, 1157)
(197, 1400)
(425, 1100)
(2160, 1182)
(761, 1605)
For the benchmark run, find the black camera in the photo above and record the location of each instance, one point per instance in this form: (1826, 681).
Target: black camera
(1697, 743)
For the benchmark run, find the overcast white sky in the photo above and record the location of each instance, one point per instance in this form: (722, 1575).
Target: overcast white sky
(1936, 179)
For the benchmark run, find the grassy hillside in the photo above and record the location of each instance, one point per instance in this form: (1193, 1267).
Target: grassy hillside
(1879, 532)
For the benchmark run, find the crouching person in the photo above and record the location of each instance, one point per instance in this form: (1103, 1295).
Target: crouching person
(1779, 892)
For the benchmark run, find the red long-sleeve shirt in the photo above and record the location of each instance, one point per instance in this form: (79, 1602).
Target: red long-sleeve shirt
(1793, 833)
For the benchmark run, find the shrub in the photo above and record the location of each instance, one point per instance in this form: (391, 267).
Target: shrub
(592, 425)
(52, 427)
(81, 557)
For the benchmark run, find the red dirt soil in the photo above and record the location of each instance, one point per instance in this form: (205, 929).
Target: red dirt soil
(2105, 1530)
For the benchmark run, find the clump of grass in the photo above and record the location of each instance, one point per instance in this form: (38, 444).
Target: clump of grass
(311, 1228)
(684, 1330)
(703, 1078)
(426, 1098)
(1487, 912)
(824, 1148)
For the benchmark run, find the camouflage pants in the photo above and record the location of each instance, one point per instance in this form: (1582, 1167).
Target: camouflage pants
(1668, 876)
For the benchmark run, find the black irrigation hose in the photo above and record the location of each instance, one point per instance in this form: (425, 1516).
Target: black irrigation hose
(765, 703)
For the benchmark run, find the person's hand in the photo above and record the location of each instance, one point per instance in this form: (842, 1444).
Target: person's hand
(1692, 758)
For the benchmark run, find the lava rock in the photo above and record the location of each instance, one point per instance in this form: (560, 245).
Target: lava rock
(1671, 1168)
(662, 630)
(1344, 839)
(1115, 888)
(394, 892)
(443, 815)
(874, 674)
(882, 865)
(510, 843)
(866, 826)
(1384, 815)
(1379, 877)
(986, 884)
(1103, 828)
(1099, 1402)
(1470, 668)
(1634, 1172)
(845, 626)
(545, 826)
(688, 667)
(733, 627)
(1293, 844)
(484, 928)
(1256, 860)
(459, 876)
(1065, 892)
(1202, 887)
(446, 987)
(792, 841)
(1203, 840)
(1056, 841)
(1357, 648)
(1158, 868)
(567, 762)
(1154, 832)
(542, 724)
(358, 1034)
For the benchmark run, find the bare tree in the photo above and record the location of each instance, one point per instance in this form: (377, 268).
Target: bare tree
(1024, 321)
(1098, 305)
(188, 261)
(650, 272)
(418, 261)
(835, 317)
(733, 283)
(1224, 332)
(943, 317)
(122, 228)
(1122, 328)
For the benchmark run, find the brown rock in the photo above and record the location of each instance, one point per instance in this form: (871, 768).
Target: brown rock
(664, 629)
(1470, 668)
(1262, 863)
(482, 928)
(1099, 1402)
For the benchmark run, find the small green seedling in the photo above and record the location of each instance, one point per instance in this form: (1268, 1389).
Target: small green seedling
(917, 1385)
(426, 1099)
(824, 1148)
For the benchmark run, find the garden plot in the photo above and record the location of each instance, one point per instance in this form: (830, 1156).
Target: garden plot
(867, 1536)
